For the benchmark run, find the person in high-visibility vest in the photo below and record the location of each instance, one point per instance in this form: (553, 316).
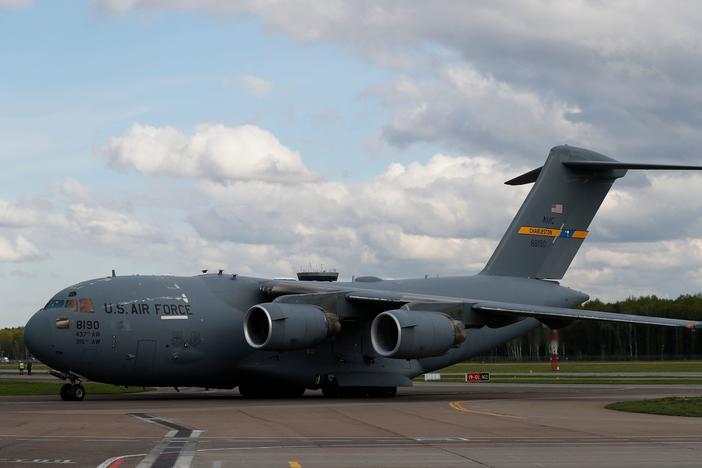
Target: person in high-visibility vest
(21, 368)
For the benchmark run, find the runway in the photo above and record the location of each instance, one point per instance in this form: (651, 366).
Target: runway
(495, 425)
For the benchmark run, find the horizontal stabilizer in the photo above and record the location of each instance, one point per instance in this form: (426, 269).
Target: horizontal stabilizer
(562, 313)
(621, 165)
(526, 178)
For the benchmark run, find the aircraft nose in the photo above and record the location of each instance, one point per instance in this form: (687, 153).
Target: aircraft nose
(37, 335)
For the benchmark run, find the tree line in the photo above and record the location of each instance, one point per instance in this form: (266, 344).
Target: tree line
(590, 340)
(581, 340)
(12, 343)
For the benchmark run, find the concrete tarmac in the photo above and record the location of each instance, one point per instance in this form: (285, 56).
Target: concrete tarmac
(434, 424)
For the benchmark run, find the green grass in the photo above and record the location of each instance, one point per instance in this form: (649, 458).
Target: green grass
(579, 366)
(557, 379)
(672, 406)
(47, 388)
(595, 380)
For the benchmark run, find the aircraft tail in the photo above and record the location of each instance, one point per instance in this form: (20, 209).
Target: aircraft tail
(553, 221)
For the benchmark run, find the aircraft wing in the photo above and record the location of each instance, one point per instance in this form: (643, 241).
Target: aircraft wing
(562, 313)
(488, 309)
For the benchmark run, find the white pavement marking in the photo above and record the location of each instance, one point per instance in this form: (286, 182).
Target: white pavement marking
(110, 461)
(185, 459)
(34, 461)
(181, 442)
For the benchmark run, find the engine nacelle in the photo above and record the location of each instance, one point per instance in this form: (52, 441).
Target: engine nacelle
(410, 334)
(278, 326)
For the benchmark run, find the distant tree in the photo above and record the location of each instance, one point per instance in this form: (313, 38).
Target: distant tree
(602, 340)
(12, 343)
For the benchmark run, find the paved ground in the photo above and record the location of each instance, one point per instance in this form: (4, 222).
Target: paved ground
(435, 424)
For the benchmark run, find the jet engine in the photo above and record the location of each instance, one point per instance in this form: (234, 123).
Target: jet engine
(410, 334)
(278, 326)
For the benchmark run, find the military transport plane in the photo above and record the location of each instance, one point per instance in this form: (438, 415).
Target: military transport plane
(279, 337)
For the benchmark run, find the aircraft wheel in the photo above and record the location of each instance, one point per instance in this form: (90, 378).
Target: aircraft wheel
(330, 389)
(65, 389)
(76, 392)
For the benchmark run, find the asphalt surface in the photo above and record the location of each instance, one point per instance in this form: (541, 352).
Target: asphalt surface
(436, 424)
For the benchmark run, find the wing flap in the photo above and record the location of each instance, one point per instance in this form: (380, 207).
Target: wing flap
(562, 313)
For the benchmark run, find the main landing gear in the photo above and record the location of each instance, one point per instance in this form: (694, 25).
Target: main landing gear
(72, 392)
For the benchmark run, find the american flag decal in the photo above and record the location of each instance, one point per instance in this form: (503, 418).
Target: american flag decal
(557, 208)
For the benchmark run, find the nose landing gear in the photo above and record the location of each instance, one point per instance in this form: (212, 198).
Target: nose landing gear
(72, 392)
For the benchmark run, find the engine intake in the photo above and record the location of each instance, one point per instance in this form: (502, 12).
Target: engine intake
(410, 334)
(277, 326)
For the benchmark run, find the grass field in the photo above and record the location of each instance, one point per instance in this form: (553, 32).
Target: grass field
(650, 372)
(613, 372)
(47, 388)
(595, 380)
(579, 366)
(673, 406)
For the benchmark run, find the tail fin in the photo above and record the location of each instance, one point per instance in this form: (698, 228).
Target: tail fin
(552, 223)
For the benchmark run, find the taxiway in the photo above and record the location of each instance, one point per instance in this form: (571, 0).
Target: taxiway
(436, 424)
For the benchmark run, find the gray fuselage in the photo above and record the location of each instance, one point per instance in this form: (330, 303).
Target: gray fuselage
(188, 331)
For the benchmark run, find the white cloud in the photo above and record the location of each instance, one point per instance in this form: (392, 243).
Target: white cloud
(443, 216)
(256, 85)
(627, 67)
(666, 207)
(107, 225)
(619, 270)
(18, 250)
(469, 110)
(73, 189)
(16, 216)
(215, 152)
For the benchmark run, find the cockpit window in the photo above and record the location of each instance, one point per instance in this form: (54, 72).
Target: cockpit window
(71, 304)
(86, 305)
(62, 323)
(54, 304)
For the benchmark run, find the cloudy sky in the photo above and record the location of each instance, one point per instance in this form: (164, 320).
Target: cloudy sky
(169, 136)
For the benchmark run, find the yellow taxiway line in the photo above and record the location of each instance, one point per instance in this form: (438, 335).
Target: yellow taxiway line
(459, 407)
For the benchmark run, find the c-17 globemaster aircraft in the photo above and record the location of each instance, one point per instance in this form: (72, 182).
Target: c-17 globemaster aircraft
(273, 337)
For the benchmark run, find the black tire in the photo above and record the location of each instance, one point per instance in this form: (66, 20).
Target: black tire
(330, 389)
(77, 393)
(65, 392)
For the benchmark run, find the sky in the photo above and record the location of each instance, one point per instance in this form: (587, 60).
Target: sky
(263, 137)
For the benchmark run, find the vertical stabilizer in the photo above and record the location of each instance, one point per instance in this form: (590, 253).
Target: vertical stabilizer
(554, 219)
